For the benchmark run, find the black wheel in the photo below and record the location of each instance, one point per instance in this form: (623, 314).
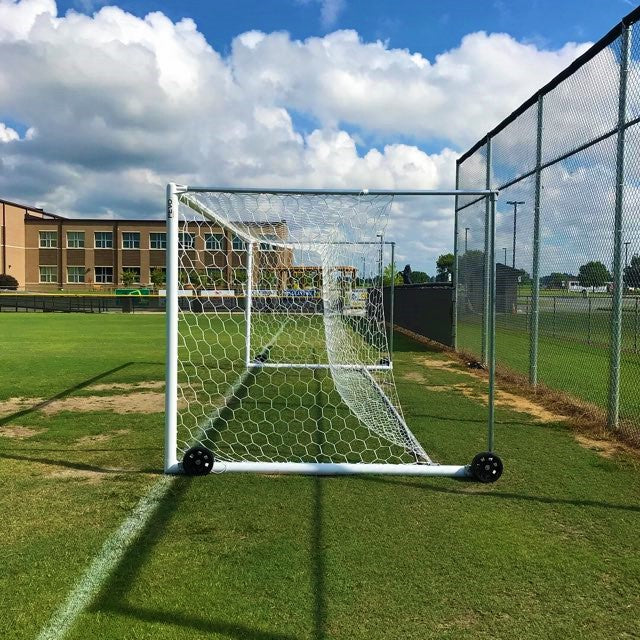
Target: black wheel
(486, 467)
(197, 461)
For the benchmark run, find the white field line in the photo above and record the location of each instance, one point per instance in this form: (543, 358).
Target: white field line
(116, 546)
(109, 556)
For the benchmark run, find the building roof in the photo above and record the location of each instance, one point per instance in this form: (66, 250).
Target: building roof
(27, 207)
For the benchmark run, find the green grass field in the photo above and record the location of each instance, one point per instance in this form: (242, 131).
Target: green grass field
(567, 360)
(550, 551)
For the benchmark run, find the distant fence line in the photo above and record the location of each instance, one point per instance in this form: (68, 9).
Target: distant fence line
(565, 163)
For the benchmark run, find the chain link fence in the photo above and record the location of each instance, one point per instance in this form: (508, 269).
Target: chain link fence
(567, 233)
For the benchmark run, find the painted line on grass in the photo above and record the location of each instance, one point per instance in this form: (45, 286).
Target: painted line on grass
(117, 544)
(103, 564)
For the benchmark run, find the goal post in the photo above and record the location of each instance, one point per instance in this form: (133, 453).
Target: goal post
(278, 358)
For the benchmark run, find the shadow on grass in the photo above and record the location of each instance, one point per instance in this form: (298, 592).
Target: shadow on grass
(79, 466)
(498, 494)
(203, 625)
(114, 594)
(67, 392)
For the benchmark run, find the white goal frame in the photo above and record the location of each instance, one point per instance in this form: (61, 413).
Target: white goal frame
(180, 193)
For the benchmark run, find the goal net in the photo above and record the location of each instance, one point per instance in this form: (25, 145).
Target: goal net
(278, 354)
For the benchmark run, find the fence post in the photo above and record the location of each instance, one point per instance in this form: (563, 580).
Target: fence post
(553, 333)
(392, 299)
(534, 317)
(635, 328)
(616, 310)
(491, 350)
(589, 324)
(487, 259)
(454, 332)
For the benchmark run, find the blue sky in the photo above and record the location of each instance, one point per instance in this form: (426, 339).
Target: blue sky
(427, 26)
(101, 105)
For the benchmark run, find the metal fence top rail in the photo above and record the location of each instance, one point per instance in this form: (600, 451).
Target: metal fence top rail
(589, 54)
(338, 192)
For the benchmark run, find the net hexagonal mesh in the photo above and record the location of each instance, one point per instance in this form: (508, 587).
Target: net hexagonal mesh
(282, 346)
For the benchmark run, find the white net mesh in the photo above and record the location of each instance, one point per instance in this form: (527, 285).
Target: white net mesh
(283, 353)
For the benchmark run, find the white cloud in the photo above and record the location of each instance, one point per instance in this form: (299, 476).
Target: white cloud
(117, 105)
(7, 134)
(330, 10)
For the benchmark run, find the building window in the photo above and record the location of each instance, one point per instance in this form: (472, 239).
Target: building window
(48, 239)
(130, 239)
(265, 246)
(186, 240)
(239, 244)
(48, 274)
(103, 240)
(157, 241)
(214, 241)
(135, 270)
(75, 274)
(104, 275)
(75, 239)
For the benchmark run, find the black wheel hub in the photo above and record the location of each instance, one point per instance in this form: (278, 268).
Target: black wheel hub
(486, 467)
(197, 461)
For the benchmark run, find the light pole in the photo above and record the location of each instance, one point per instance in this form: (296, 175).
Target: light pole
(515, 204)
(466, 232)
(380, 271)
(505, 256)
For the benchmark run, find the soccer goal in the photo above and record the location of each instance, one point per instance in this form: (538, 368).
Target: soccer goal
(278, 350)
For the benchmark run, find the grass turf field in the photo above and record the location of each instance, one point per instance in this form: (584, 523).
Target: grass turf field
(566, 360)
(548, 551)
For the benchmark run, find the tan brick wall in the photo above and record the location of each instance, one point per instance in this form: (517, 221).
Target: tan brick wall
(25, 256)
(13, 242)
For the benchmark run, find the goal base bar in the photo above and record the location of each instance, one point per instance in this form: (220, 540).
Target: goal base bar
(336, 469)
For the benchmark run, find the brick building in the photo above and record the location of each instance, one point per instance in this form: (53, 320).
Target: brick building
(46, 252)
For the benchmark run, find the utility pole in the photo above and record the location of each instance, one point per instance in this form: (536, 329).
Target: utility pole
(515, 204)
(466, 232)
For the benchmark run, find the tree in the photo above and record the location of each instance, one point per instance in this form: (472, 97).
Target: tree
(8, 282)
(444, 264)
(555, 280)
(470, 266)
(129, 277)
(419, 277)
(631, 273)
(387, 274)
(593, 274)
(157, 278)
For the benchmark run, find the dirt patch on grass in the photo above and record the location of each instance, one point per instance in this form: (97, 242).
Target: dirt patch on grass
(450, 365)
(101, 437)
(126, 386)
(413, 376)
(15, 405)
(89, 475)
(605, 448)
(136, 402)
(18, 432)
(502, 398)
